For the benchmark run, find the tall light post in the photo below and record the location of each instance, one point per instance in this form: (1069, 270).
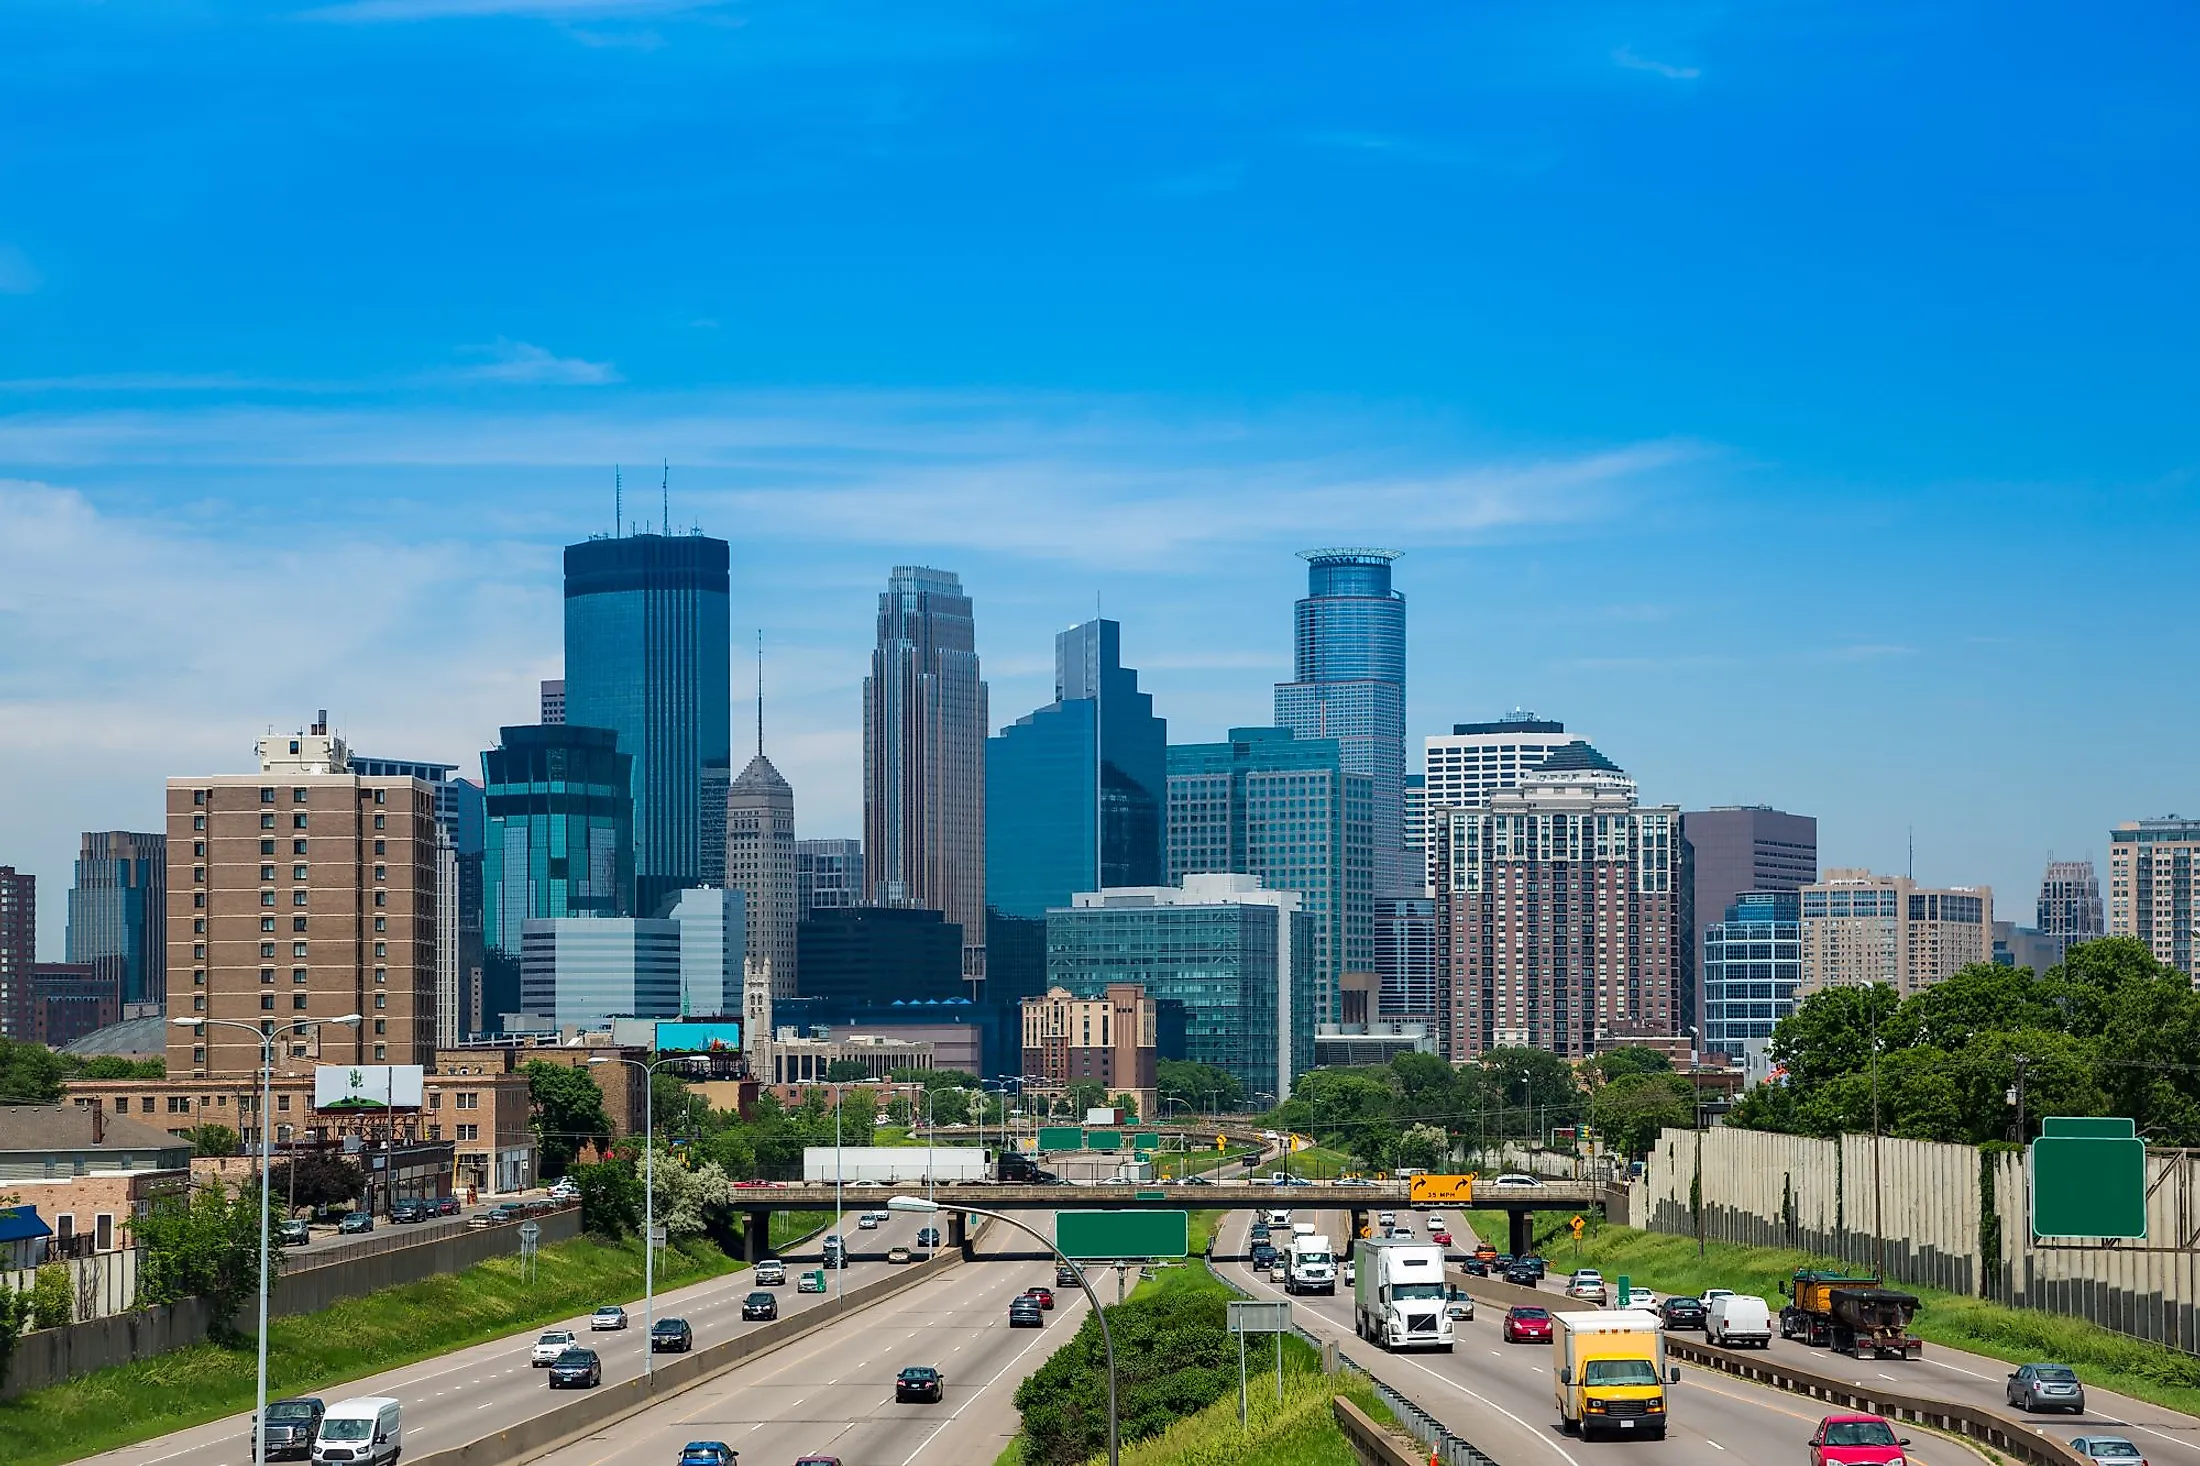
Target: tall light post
(920, 1205)
(266, 1037)
(649, 1196)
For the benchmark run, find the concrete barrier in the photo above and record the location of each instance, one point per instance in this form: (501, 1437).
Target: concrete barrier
(607, 1404)
(2009, 1434)
(54, 1356)
(1371, 1444)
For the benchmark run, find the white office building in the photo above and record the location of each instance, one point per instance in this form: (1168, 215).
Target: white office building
(713, 936)
(1463, 768)
(583, 971)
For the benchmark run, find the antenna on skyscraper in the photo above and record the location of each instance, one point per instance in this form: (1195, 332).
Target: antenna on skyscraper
(618, 503)
(1913, 852)
(759, 692)
(665, 489)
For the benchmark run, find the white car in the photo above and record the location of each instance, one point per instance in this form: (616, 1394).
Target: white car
(1386, 1219)
(1279, 1273)
(867, 1223)
(1351, 1274)
(547, 1348)
(1516, 1181)
(610, 1316)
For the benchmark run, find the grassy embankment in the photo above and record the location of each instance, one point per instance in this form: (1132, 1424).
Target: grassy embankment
(1669, 1264)
(346, 1341)
(1317, 1163)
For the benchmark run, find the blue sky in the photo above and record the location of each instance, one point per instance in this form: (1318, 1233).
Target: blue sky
(1798, 398)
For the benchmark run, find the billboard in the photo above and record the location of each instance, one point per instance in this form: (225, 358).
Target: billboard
(367, 1086)
(698, 1038)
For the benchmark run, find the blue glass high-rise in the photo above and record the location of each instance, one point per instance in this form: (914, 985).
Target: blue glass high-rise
(560, 839)
(1349, 683)
(646, 656)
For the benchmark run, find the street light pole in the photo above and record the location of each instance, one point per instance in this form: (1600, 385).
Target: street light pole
(649, 1199)
(920, 1204)
(266, 1038)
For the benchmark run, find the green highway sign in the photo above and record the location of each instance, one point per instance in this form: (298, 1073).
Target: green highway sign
(1145, 1140)
(1061, 1137)
(2105, 1127)
(1112, 1234)
(1103, 1140)
(2089, 1183)
(1149, 1196)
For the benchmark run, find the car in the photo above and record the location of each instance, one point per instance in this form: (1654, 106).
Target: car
(354, 1223)
(1458, 1307)
(1681, 1313)
(1499, 1263)
(291, 1426)
(2101, 1450)
(1386, 1219)
(1855, 1440)
(1475, 1267)
(1351, 1273)
(550, 1345)
(1516, 1181)
(410, 1210)
(1589, 1290)
(1025, 1313)
(1644, 1300)
(495, 1216)
(928, 1236)
(293, 1234)
(920, 1382)
(1541, 1267)
(1527, 1324)
(1709, 1294)
(1280, 1273)
(708, 1453)
(1065, 1276)
(1434, 1220)
(867, 1223)
(899, 1255)
(1403, 1230)
(2046, 1387)
(1044, 1297)
(817, 1461)
(760, 1305)
(671, 1336)
(1259, 1233)
(810, 1282)
(1439, 1236)
(1520, 1275)
(576, 1368)
(874, 1185)
(610, 1316)
(771, 1273)
(444, 1206)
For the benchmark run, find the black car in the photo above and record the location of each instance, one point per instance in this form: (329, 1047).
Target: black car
(1264, 1256)
(1065, 1276)
(291, 1425)
(1520, 1275)
(1025, 1313)
(1541, 1267)
(671, 1336)
(920, 1382)
(760, 1305)
(576, 1368)
(409, 1211)
(1475, 1267)
(928, 1236)
(1681, 1313)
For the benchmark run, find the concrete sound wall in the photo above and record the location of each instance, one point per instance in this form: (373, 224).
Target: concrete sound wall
(301, 1289)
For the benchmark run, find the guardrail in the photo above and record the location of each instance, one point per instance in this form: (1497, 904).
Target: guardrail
(1371, 1444)
(2009, 1434)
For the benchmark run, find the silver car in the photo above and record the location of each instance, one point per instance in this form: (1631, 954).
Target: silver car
(610, 1316)
(2046, 1387)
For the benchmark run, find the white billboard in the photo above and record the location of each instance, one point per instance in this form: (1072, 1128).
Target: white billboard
(367, 1086)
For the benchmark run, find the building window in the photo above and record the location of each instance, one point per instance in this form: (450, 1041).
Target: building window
(297, 847)
(198, 898)
(198, 1002)
(378, 796)
(297, 796)
(381, 872)
(381, 923)
(267, 974)
(179, 1104)
(297, 872)
(298, 975)
(267, 1002)
(198, 822)
(282, 1102)
(297, 1001)
(435, 1099)
(469, 1132)
(470, 1101)
(381, 949)
(297, 923)
(198, 1057)
(381, 974)
(198, 925)
(297, 821)
(380, 821)
(267, 923)
(381, 1025)
(198, 951)
(297, 949)
(381, 847)
(381, 1000)
(381, 898)
(267, 822)
(381, 1051)
(267, 872)
(267, 796)
(298, 898)
(198, 849)
(267, 898)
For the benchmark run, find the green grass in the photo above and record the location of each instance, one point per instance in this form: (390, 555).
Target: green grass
(1669, 1264)
(1317, 1162)
(1300, 1430)
(1201, 1226)
(1171, 1163)
(353, 1338)
(790, 1227)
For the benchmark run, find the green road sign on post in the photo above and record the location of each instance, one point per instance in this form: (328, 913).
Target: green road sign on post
(1145, 1140)
(2089, 1179)
(1109, 1234)
(1061, 1137)
(1103, 1140)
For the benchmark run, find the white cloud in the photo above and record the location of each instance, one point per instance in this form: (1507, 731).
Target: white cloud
(523, 362)
(18, 276)
(1625, 56)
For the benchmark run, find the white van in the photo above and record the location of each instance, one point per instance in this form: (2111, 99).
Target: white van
(368, 1431)
(1735, 1320)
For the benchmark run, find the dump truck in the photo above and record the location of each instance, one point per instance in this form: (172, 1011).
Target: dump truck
(1850, 1315)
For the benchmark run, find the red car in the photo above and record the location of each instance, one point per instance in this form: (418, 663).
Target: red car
(1856, 1440)
(1527, 1324)
(1044, 1295)
(1440, 1237)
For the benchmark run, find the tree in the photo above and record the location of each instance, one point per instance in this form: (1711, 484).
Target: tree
(1423, 1147)
(15, 1316)
(1127, 1103)
(203, 1244)
(53, 1297)
(30, 1073)
(317, 1178)
(1352, 1107)
(1530, 1091)
(684, 1198)
(1630, 1110)
(1829, 1033)
(847, 1071)
(211, 1139)
(1630, 1059)
(611, 1198)
(1201, 1087)
(947, 1107)
(568, 1113)
(1086, 1094)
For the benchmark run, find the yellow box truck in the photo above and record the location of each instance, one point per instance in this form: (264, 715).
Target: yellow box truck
(1609, 1371)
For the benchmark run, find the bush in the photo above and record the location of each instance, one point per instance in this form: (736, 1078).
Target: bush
(53, 1297)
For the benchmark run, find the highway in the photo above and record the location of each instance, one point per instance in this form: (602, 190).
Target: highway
(455, 1397)
(833, 1393)
(1498, 1395)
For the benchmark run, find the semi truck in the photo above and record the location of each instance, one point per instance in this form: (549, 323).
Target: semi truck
(1609, 1373)
(1398, 1295)
(1850, 1315)
(892, 1164)
(1311, 1266)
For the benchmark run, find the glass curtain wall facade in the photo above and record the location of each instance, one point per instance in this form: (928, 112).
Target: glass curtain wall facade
(827, 873)
(1752, 966)
(713, 923)
(1349, 683)
(560, 838)
(583, 972)
(118, 912)
(646, 656)
(1287, 810)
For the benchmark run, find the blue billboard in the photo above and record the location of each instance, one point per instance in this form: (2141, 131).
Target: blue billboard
(697, 1038)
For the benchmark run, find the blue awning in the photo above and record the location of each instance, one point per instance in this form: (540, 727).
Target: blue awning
(21, 1224)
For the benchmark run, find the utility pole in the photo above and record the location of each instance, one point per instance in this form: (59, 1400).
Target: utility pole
(1879, 1230)
(2016, 1096)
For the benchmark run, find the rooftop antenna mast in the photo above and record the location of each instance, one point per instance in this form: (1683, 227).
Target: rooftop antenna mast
(759, 692)
(665, 488)
(618, 503)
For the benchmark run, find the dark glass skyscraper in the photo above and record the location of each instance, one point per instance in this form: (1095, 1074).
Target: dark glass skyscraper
(1349, 683)
(1064, 814)
(561, 831)
(646, 656)
(118, 912)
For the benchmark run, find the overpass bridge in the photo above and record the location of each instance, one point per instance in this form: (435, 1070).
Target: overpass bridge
(1361, 1199)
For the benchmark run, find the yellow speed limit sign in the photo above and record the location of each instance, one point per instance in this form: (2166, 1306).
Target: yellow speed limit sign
(1453, 1190)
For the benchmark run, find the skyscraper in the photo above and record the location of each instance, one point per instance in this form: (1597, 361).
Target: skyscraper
(118, 912)
(2154, 887)
(711, 921)
(461, 829)
(18, 951)
(1349, 683)
(560, 833)
(1287, 810)
(553, 700)
(760, 864)
(2070, 902)
(1065, 813)
(1864, 928)
(1474, 760)
(924, 736)
(1752, 969)
(1412, 983)
(1725, 852)
(646, 656)
(1559, 911)
(827, 874)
